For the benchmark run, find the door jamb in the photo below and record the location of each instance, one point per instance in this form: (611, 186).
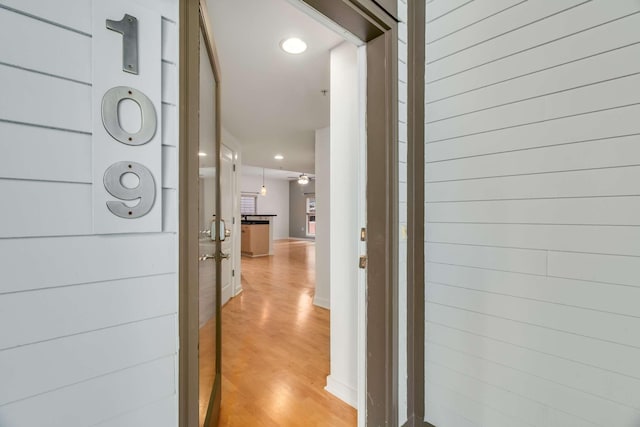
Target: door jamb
(192, 19)
(415, 213)
(188, 224)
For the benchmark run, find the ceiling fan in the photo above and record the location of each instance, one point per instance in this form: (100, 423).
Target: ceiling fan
(303, 178)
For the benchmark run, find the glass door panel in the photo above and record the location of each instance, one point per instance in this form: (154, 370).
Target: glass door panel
(209, 283)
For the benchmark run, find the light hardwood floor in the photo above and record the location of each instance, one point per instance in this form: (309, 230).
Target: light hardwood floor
(275, 346)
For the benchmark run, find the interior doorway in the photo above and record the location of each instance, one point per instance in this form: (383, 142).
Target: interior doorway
(333, 97)
(378, 29)
(339, 89)
(325, 77)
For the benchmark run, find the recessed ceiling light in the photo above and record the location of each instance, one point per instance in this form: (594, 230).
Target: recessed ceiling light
(202, 154)
(278, 157)
(293, 45)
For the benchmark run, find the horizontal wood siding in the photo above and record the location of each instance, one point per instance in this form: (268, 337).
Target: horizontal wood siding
(402, 214)
(90, 322)
(532, 201)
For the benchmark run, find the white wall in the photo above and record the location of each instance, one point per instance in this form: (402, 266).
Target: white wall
(89, 322)
(402, 212)
(323, 242)
(533, 245)
(344, 226)
(298, 195)
(275, 202)
(235, 145)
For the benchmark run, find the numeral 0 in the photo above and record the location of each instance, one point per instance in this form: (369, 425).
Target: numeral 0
(145, 191)
(111, 122)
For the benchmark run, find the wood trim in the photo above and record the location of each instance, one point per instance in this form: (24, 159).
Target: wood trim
(390, 6)
(362, 18)
(192, 19)
(213, 410)
(209, 43)
(382, 241)
(415, 212)
(188, 213)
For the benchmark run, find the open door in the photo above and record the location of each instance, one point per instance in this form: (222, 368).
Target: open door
(378, 27)
(213, 231)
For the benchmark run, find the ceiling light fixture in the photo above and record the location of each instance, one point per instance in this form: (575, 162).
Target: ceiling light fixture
(303, 179)
(263, 190)
(278, 157)
(202, 154)
(293, 45)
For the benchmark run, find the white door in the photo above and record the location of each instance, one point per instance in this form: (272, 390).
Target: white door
(226, 201)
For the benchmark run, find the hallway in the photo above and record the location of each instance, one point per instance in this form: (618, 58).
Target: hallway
(275, 346)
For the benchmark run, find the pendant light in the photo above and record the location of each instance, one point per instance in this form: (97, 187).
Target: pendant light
(303, 179)
(263, 190)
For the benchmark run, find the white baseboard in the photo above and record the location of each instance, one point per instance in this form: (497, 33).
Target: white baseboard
(226, 294)
(322, 302)
(342, 391)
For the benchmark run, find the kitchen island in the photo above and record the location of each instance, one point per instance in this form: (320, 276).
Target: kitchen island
(257, 235)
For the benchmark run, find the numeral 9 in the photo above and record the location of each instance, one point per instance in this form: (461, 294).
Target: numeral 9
(145, 191)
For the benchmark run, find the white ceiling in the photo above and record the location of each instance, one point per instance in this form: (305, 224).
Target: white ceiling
(272, 101)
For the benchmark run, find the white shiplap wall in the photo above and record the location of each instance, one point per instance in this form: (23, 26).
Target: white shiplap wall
(532, 213)
(88, 323)
(402, 211)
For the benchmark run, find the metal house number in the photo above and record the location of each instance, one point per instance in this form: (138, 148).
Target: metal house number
(115, 175)
(128, 27)
(145, 191)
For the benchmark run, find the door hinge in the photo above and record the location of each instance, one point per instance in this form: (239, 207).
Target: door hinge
(362, 263)
(234, 167)
(233, 220)
(363, 234)
(233, 273)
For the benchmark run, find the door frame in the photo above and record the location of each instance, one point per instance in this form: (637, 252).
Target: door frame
(416, 23)
(188, 223)
(378, 27)
(192, 19)
(213, 410)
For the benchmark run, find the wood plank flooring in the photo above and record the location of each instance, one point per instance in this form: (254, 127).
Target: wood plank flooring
(207, 367)
(275, 346)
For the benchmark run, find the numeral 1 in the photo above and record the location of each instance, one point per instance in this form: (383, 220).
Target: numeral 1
(128, 27)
